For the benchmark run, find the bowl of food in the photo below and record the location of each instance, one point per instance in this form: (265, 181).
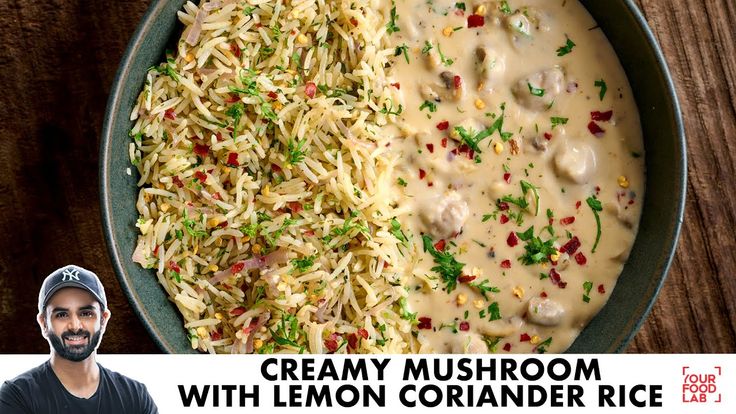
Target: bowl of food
(392, 177)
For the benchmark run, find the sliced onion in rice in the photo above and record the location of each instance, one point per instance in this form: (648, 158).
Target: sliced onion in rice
(256, 262)
(196, 29)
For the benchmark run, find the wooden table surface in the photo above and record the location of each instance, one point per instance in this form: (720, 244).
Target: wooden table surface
(57, 62)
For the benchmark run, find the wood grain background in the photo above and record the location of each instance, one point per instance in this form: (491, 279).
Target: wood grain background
(57, 62)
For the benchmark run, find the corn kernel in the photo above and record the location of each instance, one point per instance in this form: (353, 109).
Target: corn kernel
(164, 207)
(461, 299)
(218, 242)
(447, 31)
(519, 292)
(555, 256)
(498, 147)
(480, 10)
(302, 39)
(218, 316)
(479, 103)
(226, 170)
(202, 332)
(256, 248)
(196, 248)
(623, 182)
(281, 286)
(266, 190)
(213, 268)
(476, 271)
(277, 105)
(245, 239)
(478, 304)
(214, 221)
(454, 134)
(189, 57)
(257, 343)
(535, 340)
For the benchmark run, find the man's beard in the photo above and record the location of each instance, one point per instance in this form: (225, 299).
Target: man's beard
(75, 353)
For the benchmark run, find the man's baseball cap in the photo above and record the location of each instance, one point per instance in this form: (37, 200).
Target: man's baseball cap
(71, 276)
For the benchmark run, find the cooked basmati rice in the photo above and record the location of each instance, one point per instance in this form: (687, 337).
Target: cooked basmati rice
(265, 203)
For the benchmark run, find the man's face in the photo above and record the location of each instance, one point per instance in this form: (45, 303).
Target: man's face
(73, 323)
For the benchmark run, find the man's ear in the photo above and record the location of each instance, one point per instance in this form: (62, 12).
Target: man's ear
(41, 319)
(106, 315)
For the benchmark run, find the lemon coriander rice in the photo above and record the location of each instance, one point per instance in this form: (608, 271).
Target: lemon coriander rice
(265, 179)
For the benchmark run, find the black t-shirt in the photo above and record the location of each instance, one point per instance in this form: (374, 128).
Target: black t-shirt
(39, 391)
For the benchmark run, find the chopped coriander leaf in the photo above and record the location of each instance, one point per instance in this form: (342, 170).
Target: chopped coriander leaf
(427, 47)
(267, 112)
(397, 232)
(595, 205)
(491, 342)
(430, 105)
(390, 109)
(400, 181)
(601, 84)
(391, 26)
(460, 6)
(250, 230)
(535, 91)
(487, 217)
(563, 50)
(587, 286)
(405, 314)
(519, 201)
(525, 187)
(403, 49)
(543, 276)
(445, 61)
(296, 151)
(550, 214)
(303, 264)
(504, 7)
(235, 112)
(494, 313)
(447, 267)
(472, 141)
(248, 11)
(557, 120)
(542, 347)
(536, 250)
(166, 69)
(176, 276)
(484, 288)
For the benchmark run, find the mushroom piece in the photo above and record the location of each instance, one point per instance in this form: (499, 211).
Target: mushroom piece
(468, 344)
(545, 311)
(537, 92)
(575, 162)
(488, 65)
(445, 217)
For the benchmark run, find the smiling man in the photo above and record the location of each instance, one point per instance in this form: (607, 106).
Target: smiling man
(73, 315)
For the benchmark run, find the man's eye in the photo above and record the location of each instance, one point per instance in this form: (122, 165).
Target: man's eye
(88, 314)
(61, 315)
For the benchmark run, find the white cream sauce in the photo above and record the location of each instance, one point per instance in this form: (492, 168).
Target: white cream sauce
(512, 61)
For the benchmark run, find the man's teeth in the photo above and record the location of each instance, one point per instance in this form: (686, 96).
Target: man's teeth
(75, 338)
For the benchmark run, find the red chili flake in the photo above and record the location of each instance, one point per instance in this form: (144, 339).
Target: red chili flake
(601, 116)
(512, 240)
(173, 266)
(464, 326)
(440, 245)
(238, 311)
(155, 251)
(597, 189)
(554, 277)
(169, 114)
(525, 338)
(201, 150)
(310, 89)
(465, 278)
(444, 142)
(216, 336)
(507, 347)
(223, 224)
(506, 264)
(580, 258)
(547, 136)
(200, 176)
(457, 81)
(232, 98)
(507, 177)
(425, 322)
(251, 327)
(258, 25)
(422, 174)
(430, 148)
(571, 246)
(543, 294)
(630, 202)
(354, 21)
(504, 219)
(218, 136)
(396, 85)
(237, 267)
(362, 332)
(217, 196)
(232, 159)
(471, 154)
(430, 184)
(567, 220)
(595, 129)
(235, 49)
(601, 289)
(275, 168)
(454, 151)
(177, 181)
(463, 148)
(503, 206)
(331, 343)
(353, 341)
(443, 125)
(273, 95)
(476, 21)
(309, 233)
(578, 204)
(295, 207)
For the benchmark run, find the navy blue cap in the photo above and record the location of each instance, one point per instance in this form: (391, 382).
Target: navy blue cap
(71, 276)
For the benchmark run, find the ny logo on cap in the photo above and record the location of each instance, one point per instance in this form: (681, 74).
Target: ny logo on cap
(70, 274)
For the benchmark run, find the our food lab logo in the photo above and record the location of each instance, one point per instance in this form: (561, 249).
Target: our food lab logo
(699, 386)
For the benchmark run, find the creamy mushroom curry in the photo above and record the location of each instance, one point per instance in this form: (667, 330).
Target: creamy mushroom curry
(522, 170)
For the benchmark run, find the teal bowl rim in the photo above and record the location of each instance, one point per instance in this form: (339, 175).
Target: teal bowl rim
(113, 115)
